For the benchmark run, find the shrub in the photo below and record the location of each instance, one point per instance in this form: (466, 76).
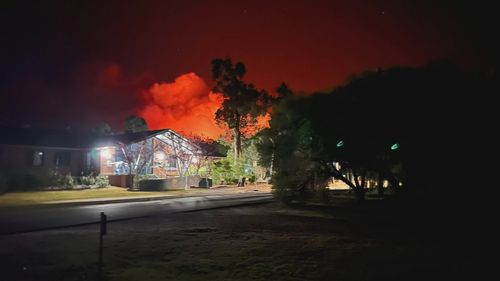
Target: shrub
(101, 181)
(67, 181)
(251, 178)
(87, 180)
(56, 179)
(139, 178)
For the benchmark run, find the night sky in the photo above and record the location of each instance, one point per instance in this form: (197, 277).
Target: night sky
(69, 63)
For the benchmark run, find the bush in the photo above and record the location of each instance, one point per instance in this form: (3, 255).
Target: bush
(87, 180)
(251, 178)
(138, 178)
(231, 181)
(67, 181)
(101, 181)
(55, 179)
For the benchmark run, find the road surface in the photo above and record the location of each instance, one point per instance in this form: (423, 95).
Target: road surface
(19, 220)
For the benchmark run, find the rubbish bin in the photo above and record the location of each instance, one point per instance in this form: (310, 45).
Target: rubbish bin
(205, 182)
(241, 182)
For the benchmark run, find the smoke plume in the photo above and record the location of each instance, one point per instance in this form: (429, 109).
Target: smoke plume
(185, 105)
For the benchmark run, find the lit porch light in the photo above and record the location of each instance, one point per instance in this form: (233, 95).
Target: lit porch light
(106, 152)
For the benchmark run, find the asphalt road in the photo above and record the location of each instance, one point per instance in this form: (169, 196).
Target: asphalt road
(27, 219)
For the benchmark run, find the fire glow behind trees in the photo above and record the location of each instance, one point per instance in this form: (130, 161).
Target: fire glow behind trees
(99, 61)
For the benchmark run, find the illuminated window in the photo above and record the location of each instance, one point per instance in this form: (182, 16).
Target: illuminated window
(38, 158)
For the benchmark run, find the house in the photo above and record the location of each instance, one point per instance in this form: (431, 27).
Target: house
(36, 152)
(158, 153)
(155, 154)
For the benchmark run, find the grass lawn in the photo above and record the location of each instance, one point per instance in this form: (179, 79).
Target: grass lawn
(40, 197)
(267, 242)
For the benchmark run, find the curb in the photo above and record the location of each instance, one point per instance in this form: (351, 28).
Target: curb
(116, 200)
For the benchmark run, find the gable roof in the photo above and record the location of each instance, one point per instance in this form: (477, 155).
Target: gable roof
(125, 138)
(51, 138)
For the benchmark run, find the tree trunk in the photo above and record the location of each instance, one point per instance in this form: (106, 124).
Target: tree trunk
(237, 137)
(359, 193)
(130, 181)
(359, 190)
(271, 166)
(380, 184)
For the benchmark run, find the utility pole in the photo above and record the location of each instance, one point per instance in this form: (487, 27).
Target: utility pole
(102, 232)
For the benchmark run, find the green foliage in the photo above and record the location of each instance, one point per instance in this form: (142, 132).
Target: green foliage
(135, 124)
(87, 180)
(242, 102)
(375, 126)
(67, 181)
(17, 182)
(101, 181)
(102, 129)
(222, 172)
(140, 177)
(295, 149)
(230, 169)
(94, 181)
(56, 179)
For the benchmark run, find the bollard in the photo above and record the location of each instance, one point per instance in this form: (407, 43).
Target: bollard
(102, 232)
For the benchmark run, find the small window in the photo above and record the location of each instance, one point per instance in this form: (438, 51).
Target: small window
(62, 158)
(38, 158)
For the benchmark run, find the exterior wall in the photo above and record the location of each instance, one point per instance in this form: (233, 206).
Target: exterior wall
(19, 160)
(164, 169)
(121, 180)
(163, 173)
(106, 161)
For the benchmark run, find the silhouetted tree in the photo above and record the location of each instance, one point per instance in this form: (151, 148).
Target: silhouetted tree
(242, 102)
(102, 129)
(135, 124)
(400, 124)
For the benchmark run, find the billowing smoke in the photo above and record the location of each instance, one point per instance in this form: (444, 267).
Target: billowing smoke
(186, 105)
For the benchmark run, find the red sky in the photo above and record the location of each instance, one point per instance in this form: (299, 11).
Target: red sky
(77, 64)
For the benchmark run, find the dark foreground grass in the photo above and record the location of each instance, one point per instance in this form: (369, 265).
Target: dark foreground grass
(267, 242)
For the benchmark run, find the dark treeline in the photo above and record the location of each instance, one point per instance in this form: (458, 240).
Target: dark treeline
(416, 128)
(423, 130)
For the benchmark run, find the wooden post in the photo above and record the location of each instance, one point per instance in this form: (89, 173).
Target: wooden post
(102, 232)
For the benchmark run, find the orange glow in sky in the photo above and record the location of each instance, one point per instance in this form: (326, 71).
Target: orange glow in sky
(187, 105)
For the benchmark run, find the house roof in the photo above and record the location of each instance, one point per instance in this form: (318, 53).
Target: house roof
(125, 138)
(51, 138)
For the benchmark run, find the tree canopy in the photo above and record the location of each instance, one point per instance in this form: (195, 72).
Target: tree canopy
(134, 123)
(242, 102)
(102, 129)
(397, 124)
